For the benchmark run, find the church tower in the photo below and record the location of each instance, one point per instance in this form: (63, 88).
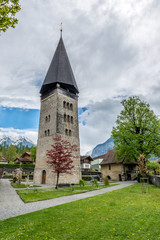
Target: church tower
(58, 117)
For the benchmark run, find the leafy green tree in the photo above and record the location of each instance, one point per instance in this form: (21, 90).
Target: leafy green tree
(8, 10)
(153, 166)
(11, 153)
(137, 131)
(33, 153)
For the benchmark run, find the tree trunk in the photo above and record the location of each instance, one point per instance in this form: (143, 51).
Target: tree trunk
(57, 180)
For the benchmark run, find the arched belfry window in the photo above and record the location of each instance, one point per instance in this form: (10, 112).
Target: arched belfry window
(68, 105)
(71, 107)
(68, 118)
(66, 132)
(71, 119)
(64, 104)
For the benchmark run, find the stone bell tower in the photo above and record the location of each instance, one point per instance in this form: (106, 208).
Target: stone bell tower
(58, 117)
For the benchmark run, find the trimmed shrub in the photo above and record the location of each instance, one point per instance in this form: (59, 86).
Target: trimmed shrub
(106, 181)
(95, 182)
(81, 183)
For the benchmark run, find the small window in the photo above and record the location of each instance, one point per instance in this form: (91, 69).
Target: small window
(109, 166)
(68, 118)
(64, 104)
(66, 132)
(48, 132)
(46, 119)
(68, 105)
(70, 133)
(71, 119)
(45, 133)
(64, 117)
(71, 107)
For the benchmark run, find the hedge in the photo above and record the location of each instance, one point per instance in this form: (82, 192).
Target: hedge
(17, 165)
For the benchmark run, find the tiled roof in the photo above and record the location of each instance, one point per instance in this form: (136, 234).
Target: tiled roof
(110, 157)
(86, 157)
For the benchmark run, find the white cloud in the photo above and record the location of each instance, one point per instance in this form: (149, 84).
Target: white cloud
(99, 119)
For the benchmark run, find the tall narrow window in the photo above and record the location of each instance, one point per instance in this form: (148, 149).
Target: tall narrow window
(109, 166)
(66, 132)
(49, 118)
(71, 119)
(64, 117)
(70, 133)
(68, 105)
(71, 107)
(46, 119)
(64, 104)
(45, 133)
(48, 132)
(68, 118)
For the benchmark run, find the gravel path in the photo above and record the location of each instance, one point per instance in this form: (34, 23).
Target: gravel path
(11, 205)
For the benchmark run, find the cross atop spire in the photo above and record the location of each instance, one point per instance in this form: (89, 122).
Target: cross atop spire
(61, 30)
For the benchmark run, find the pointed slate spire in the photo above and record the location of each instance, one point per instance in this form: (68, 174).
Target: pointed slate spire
(60, 72)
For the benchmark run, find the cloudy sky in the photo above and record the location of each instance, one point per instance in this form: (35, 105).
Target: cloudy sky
(114, 50)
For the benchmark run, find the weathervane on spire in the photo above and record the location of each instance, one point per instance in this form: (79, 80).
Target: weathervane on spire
(61, 29)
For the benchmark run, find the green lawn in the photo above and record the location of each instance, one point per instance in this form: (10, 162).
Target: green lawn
(32, 195)
(22, 185)
(119, 215)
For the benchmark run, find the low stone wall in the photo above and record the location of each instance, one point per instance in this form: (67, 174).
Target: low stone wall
(154, 179)
(9, 170)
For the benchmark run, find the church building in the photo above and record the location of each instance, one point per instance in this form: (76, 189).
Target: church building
(58, 117)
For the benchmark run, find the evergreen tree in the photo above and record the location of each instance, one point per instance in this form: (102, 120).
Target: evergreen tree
(11, 153)
(33, 153)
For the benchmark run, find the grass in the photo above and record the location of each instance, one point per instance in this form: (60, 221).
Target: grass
(32, 195)
(22, 185)
(118, 215)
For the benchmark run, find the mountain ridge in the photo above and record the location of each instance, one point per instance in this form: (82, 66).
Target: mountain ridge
(17, 141)
(101, 148)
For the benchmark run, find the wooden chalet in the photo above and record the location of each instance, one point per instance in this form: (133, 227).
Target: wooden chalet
(24, 159)
(85, 162)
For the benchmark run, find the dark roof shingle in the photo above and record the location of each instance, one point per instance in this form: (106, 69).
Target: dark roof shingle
(110, 157)
(60, 72)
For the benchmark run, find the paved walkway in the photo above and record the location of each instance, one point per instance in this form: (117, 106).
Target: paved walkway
(11, 205)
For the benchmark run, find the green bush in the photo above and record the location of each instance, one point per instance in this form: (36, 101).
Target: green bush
(95, 182)
(81, 183)
(106, 181)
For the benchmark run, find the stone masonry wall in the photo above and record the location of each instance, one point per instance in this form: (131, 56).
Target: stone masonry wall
(116, 169)
(53, 108)
(154, 180)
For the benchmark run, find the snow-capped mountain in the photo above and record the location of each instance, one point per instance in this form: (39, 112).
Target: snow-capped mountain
(18, 141)
(102, 148)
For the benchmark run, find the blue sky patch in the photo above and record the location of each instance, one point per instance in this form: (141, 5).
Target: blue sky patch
(19, 118)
